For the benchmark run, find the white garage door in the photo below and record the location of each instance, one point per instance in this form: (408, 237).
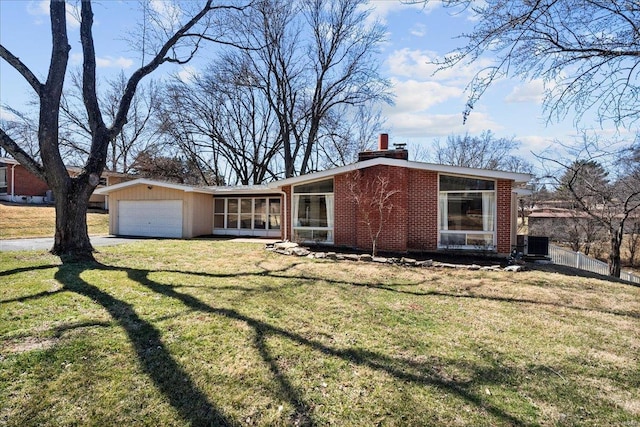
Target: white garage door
(150, 218)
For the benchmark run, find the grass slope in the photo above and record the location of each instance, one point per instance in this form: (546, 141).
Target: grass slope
(22, 221)
(179, 333)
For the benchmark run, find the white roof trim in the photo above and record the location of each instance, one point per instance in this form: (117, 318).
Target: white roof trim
(144, 181)
(244, 189)
(8, 161)
(455, 170)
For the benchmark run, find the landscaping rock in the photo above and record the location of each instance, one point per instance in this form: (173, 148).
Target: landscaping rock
(352, 257)
(444, 265)
(332, 255)
(285, 245)
(515, 268)
(299, 251)
(425, 263)
(381, 260)
(366, 257)
(408, 261)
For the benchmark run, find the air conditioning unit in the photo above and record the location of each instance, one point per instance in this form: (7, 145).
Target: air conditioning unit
(532, 245)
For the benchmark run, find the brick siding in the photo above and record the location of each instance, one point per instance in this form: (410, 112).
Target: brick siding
(413, 225)
(26, 184)
(503, 213)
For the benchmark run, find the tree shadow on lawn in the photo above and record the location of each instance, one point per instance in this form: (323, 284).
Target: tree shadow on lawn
(193, 404)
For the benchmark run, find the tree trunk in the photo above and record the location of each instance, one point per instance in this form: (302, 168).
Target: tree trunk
(71, 241)
(615, 263)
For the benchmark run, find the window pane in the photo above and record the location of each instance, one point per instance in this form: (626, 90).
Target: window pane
(245, 221)
(245, 206)
(312, 235)
(303, 235)
(218, 206)
(274, 222)
(218, 221)
(453, 239)
(312, 211)
(260, 206)
(482, 240)
(458, 183)
(232, 221)
(232, 206)
(464, 211)
(315, 187)
(274, 206)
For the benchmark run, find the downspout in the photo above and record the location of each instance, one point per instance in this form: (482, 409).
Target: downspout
(13, 182)
(284, 212)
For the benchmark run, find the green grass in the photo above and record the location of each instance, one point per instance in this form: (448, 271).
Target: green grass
(178, 333)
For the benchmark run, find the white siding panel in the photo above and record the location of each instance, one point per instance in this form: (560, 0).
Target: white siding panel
(150, 218)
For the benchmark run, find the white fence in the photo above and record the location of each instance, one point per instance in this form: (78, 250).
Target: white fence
(569, 258)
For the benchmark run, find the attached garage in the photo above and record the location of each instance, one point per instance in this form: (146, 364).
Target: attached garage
(150, 218)
(149, 208)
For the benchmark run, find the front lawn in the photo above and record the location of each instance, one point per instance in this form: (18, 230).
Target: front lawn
(177, 333)
(22, 221)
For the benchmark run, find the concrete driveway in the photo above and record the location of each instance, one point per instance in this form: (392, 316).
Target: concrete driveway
(46, 243)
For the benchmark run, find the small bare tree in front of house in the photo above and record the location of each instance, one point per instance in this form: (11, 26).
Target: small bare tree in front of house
(373, 197)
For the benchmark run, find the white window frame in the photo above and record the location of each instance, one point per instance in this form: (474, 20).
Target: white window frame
(237, 230)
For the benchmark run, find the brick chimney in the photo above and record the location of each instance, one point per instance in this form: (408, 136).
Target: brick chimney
(383, 142)
(399, 153)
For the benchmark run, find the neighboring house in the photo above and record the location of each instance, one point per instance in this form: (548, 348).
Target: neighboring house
(19, 185)
(434, 207)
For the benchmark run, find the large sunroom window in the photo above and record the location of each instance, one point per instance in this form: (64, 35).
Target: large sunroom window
(248, 216)
(467, 213)
(313, 212)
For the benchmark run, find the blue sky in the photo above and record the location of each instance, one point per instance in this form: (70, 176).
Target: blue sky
(427, 106)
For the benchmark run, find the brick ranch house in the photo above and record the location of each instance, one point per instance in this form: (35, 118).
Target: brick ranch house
(432, 207)
(18, 185)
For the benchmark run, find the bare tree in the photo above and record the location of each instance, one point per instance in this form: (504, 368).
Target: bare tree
(311, 58)
(633, 241)
(346, 132)
(586, 51)
(223, 116)
(373, 196)
(179, 43)
(484, 151)
(605, 186)
(134, 138)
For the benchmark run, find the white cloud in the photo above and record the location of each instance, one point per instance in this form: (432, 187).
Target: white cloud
(37, 8)
(7, 115)
(166, 13)
(420, 63)
(380, 10)
(414, 96)
(420, 125)
(532, 91)
(111, 62)
(419, 30)
(41, 8)
(187, 74)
